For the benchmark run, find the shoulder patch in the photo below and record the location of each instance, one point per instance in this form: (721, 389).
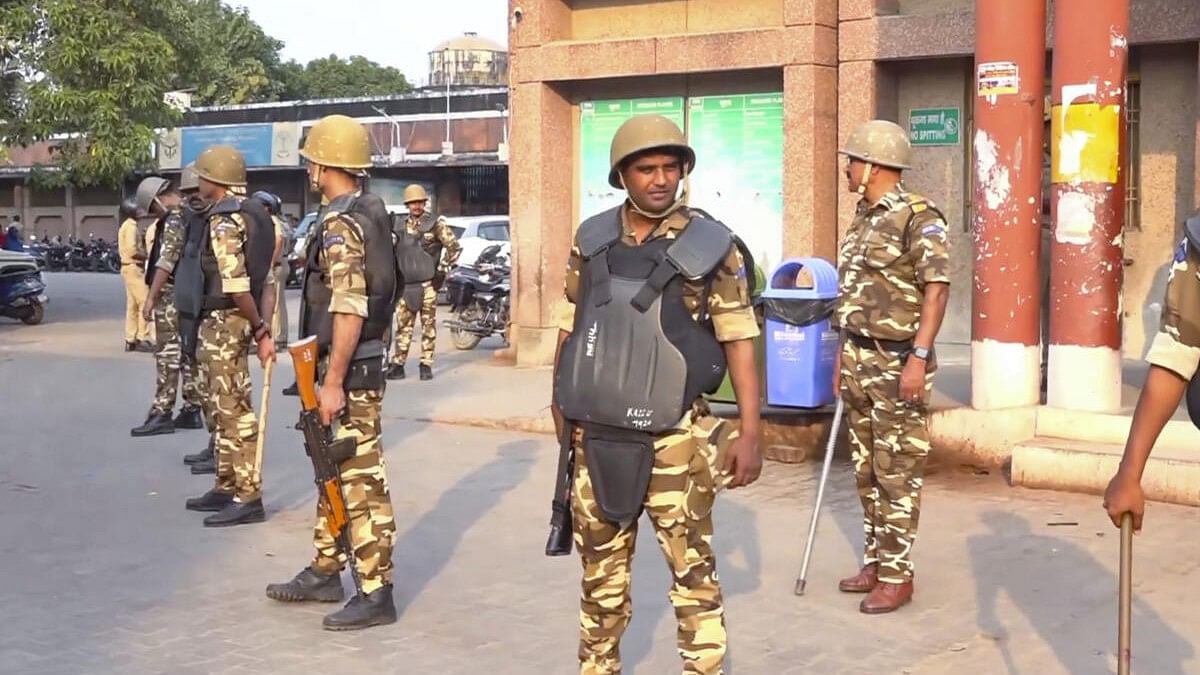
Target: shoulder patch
(1181, 251)
(332, 240)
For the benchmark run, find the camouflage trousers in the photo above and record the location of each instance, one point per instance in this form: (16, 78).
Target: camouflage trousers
(170, 364)
(890, 442)
(222, 354)
(364, 487)
(683, 485)
(405, 318)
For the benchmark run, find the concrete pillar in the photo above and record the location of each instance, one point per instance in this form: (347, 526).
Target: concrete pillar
(810, 163)
(540, 211)
(1087, 202)
(1006, 303)
(865, 91)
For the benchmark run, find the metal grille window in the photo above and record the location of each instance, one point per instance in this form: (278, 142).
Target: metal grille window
(1132, 164)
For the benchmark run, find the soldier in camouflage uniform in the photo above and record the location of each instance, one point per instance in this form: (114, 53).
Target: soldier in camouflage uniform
(1174, 359)
(164, 237)
(226, 336)
(338, 152)
(434, 235)
(701, 456)
(893, 269)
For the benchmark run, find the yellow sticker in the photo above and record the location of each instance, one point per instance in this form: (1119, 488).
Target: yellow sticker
(1086, 143)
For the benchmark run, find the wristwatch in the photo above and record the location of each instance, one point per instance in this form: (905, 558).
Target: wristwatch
(921, 353)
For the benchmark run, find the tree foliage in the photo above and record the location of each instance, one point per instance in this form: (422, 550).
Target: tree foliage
(90, 76)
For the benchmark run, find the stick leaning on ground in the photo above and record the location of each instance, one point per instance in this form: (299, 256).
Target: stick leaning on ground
(262, 418)
(1125, 611)
(802, 580)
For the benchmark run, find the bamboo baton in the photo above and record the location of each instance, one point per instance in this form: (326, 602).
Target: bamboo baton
(1125, 617)
(262, 419)
(812, 526)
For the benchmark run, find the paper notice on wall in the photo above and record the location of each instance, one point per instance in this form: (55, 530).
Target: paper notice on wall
(997, 78)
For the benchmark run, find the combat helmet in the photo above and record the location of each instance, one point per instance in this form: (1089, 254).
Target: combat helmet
(223, 165)
(881, 143)
(642, 133)
(415, 193)
(189, 179)
(148, 191)
(338, 141)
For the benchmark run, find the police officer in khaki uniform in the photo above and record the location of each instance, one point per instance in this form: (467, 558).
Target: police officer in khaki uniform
(893, 272)
(685, 453)
(1174, 359)
(433, 235)
(133, 256)
(349, 288)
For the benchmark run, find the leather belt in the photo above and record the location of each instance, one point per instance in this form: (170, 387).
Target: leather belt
(895, 346)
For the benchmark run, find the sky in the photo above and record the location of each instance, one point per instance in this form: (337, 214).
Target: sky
(397, 33)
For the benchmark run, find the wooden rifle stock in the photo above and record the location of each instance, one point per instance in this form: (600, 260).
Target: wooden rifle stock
(304, 361)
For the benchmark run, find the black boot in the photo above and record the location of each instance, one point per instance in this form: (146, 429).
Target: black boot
(293, 390)
(210, 501)
(207, 466)
(426, 373)
(145, 347)
(396, 372)
(131, 346)
(189, 417)
(309, 584)
(204, 455)
(237, 513)
(156, 423)
(376, 609)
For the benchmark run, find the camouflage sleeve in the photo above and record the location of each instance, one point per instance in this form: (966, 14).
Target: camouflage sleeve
(1176, 347)
(172, 244)
(566, 307)
(931, 241)
(345, 255)
(228, 241)
(729, 302)
(449, 241)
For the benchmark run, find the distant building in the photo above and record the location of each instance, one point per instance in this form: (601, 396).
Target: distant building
(468, 60)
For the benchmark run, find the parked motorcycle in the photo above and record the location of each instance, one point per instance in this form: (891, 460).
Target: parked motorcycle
(22, 290)
(479, 299)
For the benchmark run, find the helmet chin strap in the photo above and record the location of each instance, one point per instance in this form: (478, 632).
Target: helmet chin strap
(866, 178)
(680, 201)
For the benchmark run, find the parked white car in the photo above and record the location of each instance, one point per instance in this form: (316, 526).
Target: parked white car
(476, 233)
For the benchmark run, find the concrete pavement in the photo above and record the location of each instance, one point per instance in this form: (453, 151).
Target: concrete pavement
(105, 572)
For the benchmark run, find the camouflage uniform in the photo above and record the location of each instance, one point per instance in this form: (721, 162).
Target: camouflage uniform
(405, 316)
(1176, 346)
(364, 477)
(684, 482)
(170, 364)
(881, 293)
(224, 347)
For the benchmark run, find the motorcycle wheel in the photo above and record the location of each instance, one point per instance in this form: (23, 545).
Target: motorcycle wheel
(34, 316)
(113, 265)
(463, 340)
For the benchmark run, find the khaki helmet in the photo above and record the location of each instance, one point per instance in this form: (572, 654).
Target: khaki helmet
(881, 143)
(646, 132)
(340, 142)
(415, 193)
(189, 179)
(223, 165)
(148, 191)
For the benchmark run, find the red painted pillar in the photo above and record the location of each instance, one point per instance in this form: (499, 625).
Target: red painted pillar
(1087, 204)
(1010, 67)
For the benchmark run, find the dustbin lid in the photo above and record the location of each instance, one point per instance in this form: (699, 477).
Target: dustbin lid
(809, 278)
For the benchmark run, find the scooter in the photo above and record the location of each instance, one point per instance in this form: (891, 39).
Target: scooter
(22, 290)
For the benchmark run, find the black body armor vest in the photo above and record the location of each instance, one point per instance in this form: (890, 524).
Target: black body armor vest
(370, 214)
(258, 252)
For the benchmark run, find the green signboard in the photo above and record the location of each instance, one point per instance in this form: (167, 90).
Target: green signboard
(739, 167)
(935, 126)
(599, 121)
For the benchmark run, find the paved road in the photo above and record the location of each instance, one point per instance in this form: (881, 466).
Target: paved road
(105, 572)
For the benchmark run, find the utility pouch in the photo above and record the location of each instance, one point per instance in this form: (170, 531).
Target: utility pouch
(366, 367)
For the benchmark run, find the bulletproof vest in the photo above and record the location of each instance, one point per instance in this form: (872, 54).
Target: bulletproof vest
(413, 259)
(258, 251)
(189, 277)
(370, 213)
(637, 359)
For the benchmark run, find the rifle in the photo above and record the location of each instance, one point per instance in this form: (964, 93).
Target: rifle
(561, 537)
(326, 453)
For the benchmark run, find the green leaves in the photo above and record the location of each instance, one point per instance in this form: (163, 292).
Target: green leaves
(333, 77)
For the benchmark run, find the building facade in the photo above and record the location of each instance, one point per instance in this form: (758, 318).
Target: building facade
(738, 76)
(468, 61)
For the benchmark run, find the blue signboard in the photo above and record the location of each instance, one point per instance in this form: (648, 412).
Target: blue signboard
(253, 140)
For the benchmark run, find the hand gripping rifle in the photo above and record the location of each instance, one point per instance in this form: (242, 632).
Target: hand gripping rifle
(326, 453)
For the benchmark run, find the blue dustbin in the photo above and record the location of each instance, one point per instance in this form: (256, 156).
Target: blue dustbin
(801, 347)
